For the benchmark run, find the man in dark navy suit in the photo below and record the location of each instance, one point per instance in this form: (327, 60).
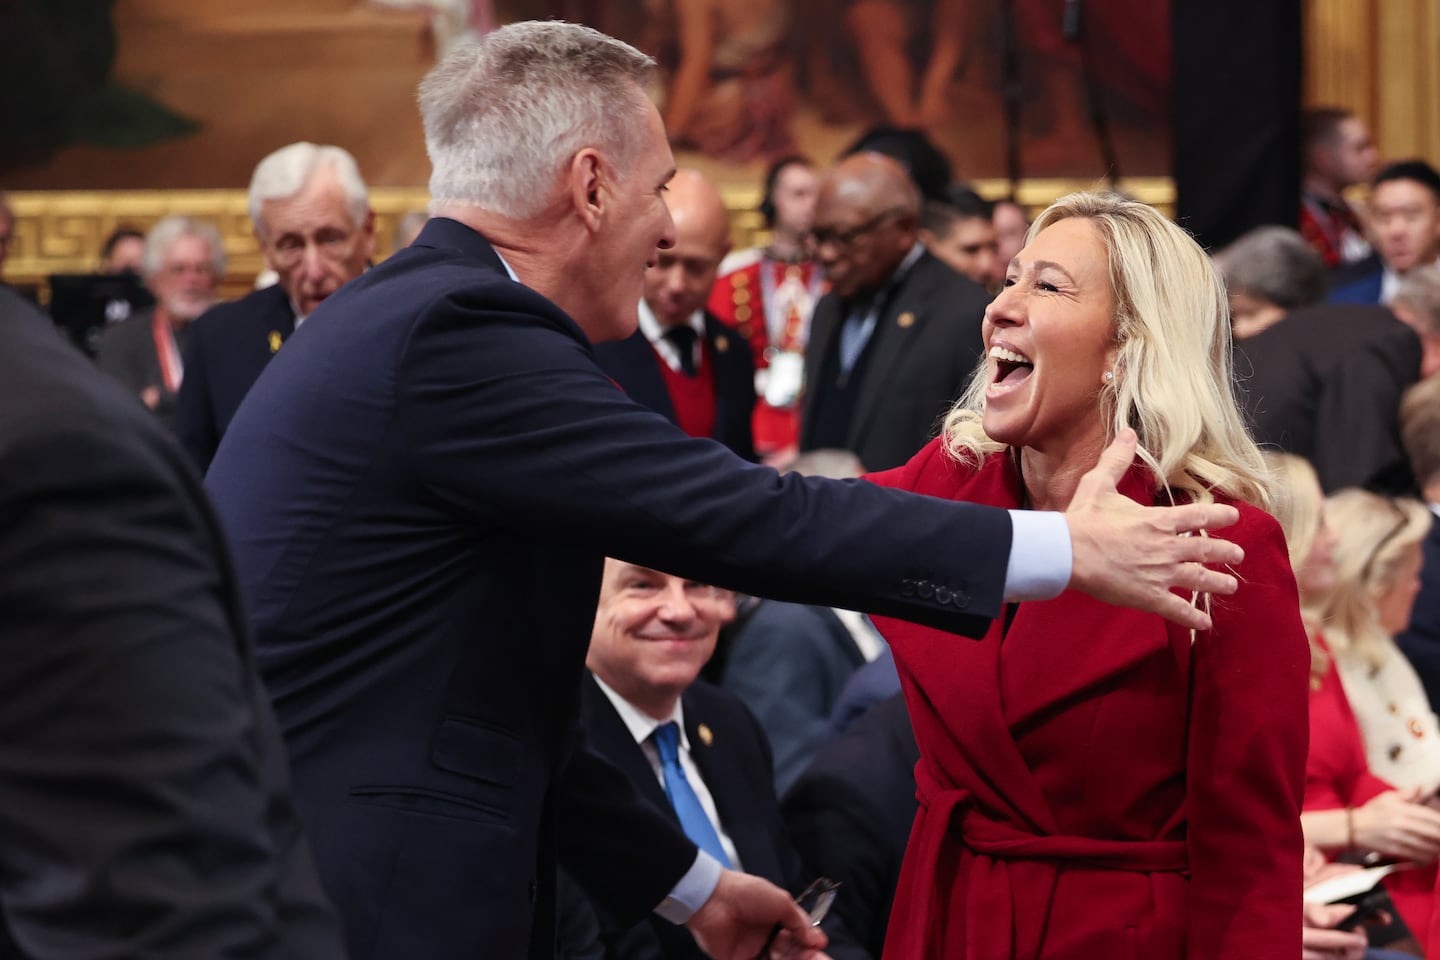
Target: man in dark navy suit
(312, 219)
(683, 362)
(143, 782)
(1405, 220)
(425, 481)
(693, 750)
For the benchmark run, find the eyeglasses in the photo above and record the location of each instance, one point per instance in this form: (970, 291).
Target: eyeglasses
(815, 900)
(816, 239)
(1402, 520)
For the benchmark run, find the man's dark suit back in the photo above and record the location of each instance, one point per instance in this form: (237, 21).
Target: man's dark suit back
(225, 351)
(924, 349)
(1325, 383)
(422, 487)
(633, 364)
(143, 783)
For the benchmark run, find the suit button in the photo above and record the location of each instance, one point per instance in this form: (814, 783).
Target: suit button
(942, 595)
(907, 588)
(961, 599)
(925, 589)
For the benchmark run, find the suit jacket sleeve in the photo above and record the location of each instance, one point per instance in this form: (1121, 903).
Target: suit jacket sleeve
(132, 805)
(194, 415)
(519, 421)
(1246, 767)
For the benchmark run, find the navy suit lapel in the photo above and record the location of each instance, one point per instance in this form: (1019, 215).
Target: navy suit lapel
(728, 352)
(904, 321)
(824, 327)
(716, 752)
(612, 740)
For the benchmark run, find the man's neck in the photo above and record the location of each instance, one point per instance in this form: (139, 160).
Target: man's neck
(1431, 493)
(786, 246)
(528, 247)
(169, 319)
(1324, 188)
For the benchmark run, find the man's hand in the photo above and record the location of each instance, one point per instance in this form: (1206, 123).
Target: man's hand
(1132, 556)
(737, 919)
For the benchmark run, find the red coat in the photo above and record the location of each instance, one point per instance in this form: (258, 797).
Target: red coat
(1095, 786)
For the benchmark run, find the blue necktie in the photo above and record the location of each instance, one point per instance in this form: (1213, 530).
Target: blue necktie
(693, 821)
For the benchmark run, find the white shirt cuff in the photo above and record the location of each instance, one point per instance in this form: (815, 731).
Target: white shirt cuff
(693, 889)
(1040, 558)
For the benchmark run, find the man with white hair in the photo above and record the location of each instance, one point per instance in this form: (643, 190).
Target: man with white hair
(423, 486)
(312, 219)
(183, 264)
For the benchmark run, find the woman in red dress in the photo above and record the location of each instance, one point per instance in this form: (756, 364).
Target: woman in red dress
(1094, 781)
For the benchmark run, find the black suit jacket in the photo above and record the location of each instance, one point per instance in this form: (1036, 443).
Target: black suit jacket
(850, 815)
(143, 782)
(921, 355)
(126, 351)
(1325, 383)
(225, 351)
(422, 487)
(1421, 640)
(735, 763)
(632, 363)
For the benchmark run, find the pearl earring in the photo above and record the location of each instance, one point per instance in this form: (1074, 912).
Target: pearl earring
(1108, 376)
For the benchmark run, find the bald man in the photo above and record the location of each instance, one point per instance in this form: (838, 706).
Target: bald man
(684, 362)
(898, 335)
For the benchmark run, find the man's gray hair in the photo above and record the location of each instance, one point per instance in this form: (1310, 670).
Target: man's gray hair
(288, 171)
(506, 114)
(1419, 291)
(168, 230)
(1276, 265)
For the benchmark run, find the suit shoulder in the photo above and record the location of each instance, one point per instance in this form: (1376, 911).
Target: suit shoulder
(260, 306)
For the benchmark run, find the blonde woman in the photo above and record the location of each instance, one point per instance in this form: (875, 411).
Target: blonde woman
(1347, 807)
(1094, 783)
(1378, 562)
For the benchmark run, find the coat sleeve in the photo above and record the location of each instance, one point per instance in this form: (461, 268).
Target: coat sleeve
(1246, 765)
(518, 421)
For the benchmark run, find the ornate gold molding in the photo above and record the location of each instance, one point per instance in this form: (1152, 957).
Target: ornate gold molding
(62, 231)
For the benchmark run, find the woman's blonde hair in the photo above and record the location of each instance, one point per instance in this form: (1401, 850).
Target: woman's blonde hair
(1299, 506)
(1173, 380)
(1372, 535)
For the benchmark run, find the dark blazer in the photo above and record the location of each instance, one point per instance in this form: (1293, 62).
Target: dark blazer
(421, 488)
(788, 664)
(923, 351)
(734, 761)
(1325, 383)
(850, 815)
(225, 351)
(142, 778)
(632, 363)
(126, 351)
(1421, 640)
(1364, 289)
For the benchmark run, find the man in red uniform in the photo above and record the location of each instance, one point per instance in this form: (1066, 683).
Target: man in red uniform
(768, 294)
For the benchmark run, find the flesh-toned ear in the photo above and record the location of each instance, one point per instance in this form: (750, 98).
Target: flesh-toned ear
(587, 193)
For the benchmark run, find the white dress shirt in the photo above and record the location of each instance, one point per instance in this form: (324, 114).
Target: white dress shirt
(655, 333)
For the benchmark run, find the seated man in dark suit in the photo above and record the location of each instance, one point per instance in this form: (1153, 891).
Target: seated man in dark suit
(898, 335)
(143, 783)
(851, 811)
(692, 749)
(1405, 221)
(1420, 428)
(312, 219)
(683, 362)
(183, 264)
(1322, 381)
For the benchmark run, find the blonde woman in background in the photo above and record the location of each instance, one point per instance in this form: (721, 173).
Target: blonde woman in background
(1348, 809)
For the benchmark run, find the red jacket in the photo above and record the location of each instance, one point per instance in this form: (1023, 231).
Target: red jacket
(1096, 786)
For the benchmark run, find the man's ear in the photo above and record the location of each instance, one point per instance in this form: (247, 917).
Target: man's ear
(588, 194)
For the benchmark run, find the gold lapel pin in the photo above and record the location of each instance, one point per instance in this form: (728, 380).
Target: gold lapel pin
(275, 341)
(706, 736)
(722, 343)
(905, 320)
